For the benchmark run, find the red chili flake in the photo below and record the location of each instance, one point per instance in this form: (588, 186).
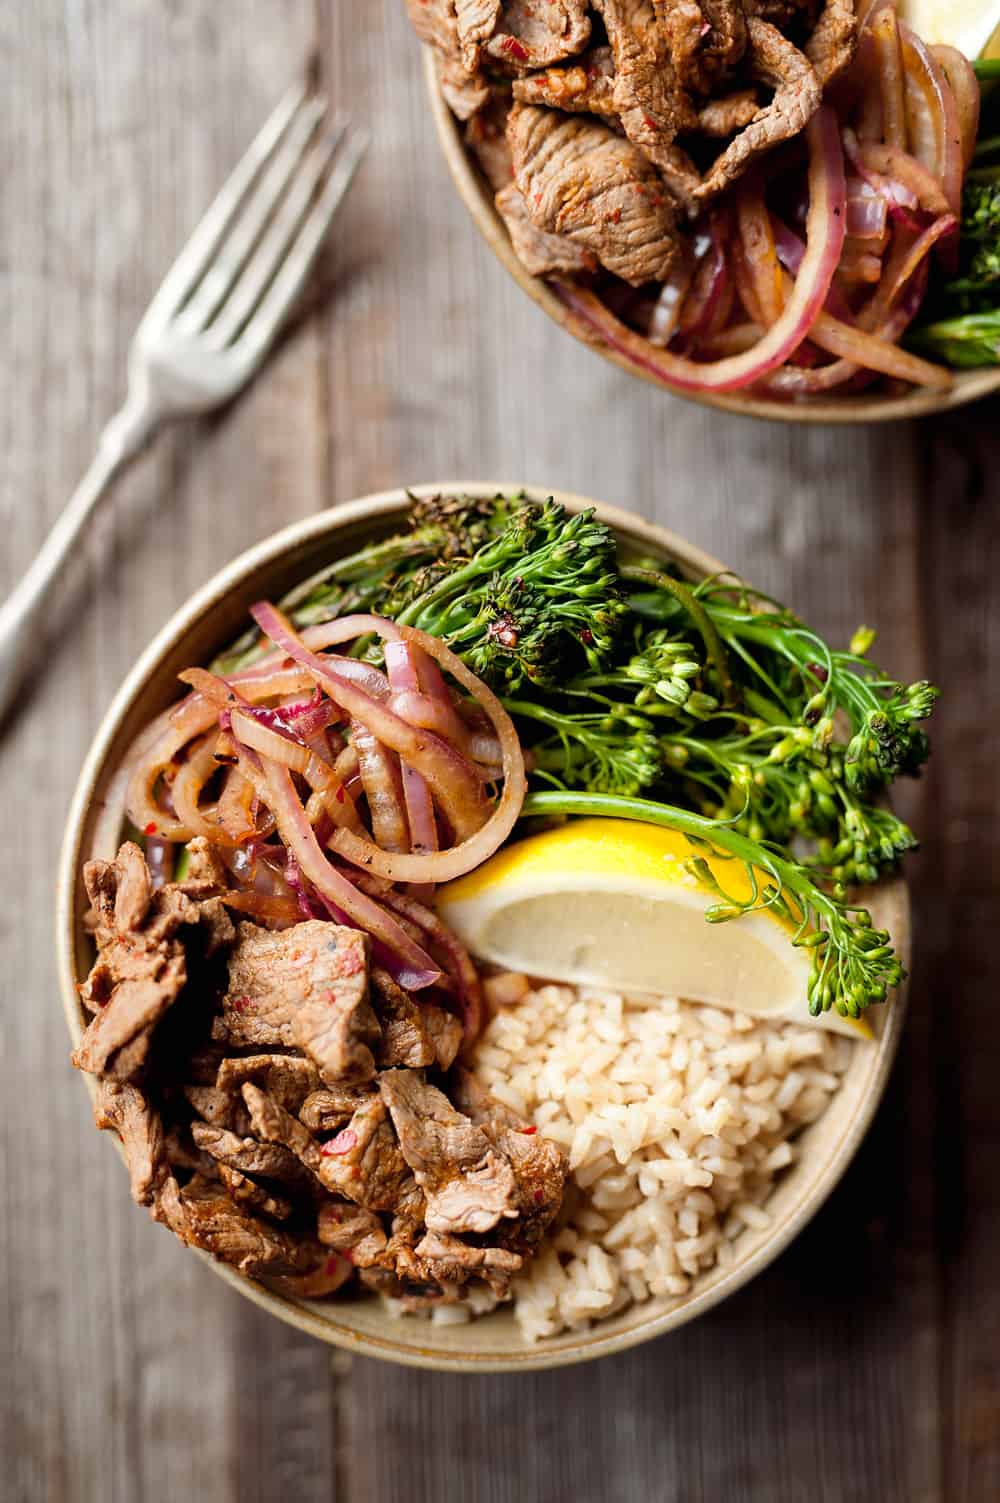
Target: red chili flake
(615, 217)
(528, 1131)
(514, 48)
(539, 1196)
(340, 794)
(648, 120)
(150, 829)
(288, 663)
(342, 1143)
(240, 1004)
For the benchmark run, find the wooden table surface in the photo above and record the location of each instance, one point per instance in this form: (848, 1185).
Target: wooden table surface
(866, 1363)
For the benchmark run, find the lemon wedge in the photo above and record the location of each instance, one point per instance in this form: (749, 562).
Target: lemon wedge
(610, 903)
(969, 25)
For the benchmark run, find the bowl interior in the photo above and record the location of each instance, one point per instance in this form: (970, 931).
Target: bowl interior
(477, 194)
(213, 618)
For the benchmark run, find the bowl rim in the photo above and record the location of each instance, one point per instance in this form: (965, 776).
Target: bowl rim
(477, 195)
(407, 1349)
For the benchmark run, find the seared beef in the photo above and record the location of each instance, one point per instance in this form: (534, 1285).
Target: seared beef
(797, 93)
(469, 1187)
(582, 181)
(405, 1039)
(362, 1162)
(586, 85)
(707, 39)
(724, 117)
(218, 1108)
(328, 1109)
(125, 1110)
(465, 94)
(445, 1031)
(350, 1228)
(305, 986)
(538, 251)
(486, 138)
(447, 1259)
(831, 46)
(254, 1197)
(434, 23)
(268, 1158)
(218, 1226)
(142, 961)
(287, 1078)
(534, 33)
(653, 105)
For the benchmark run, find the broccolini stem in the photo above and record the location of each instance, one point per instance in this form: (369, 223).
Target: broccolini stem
(853, 964)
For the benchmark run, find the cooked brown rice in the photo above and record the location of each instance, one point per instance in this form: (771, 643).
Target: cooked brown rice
(676, 1119)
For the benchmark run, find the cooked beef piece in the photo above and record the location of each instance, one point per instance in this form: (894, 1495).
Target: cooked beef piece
(205, 867)
(142, 963)
(582, 181)
(707, 39)
(834, 38)
(465, 94)
(218, 1226)
(351, 1229)
(586, 85)
(328, 1109)
(449, 1260)
(247, 1192)
(270, 1159)
(329, 1275)
(182, 1154)
(305, 986)
(724, 117)
(469, 1187)
(534, 33)
(125, 1110)
(405, 1037)
(653, 106)
(797, 94)
(539, 252)
(486, 138)
(287, 1078)
(476, 21)
(202, 1065)
(219, 1108)
(779, 12)
(445, 1034)
(362, 1162)
(434, 23)
(539, 1165)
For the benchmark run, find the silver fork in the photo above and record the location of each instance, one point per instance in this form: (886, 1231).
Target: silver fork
(211, 324)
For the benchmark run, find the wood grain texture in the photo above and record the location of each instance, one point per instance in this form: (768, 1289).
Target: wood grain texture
(866, 1363)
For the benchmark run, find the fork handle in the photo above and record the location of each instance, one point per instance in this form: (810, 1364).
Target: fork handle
(125, 435)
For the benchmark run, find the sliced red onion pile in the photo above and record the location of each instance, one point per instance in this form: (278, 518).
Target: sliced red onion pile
(806, 306)
(323, 781)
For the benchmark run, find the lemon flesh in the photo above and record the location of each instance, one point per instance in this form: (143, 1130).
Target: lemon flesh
(610, 903)
(969, 25)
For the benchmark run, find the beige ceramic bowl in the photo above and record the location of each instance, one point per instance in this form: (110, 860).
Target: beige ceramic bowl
(478, 198)
(205, 625)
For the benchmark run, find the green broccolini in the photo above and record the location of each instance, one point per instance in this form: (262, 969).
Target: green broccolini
(625, 681)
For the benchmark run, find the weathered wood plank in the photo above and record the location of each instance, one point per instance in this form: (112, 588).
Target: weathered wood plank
(129, 1371)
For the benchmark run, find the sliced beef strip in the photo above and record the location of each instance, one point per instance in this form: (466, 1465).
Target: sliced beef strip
(464, 94)
(305, 986)
(486, 138)
(362, 1163)
(271, 1160)
(446, 1034)
(449, 1260)
(582, 181)
(468, 1185)
(232, 1234)
(586, 85)
(248, 1193)
(125, 1110)
(350, 1228)
(205, 868)
(405, 1039)
(834, 38)
(720, 118)
(182, 1153)
(653, 106)
(797, 95)
(707, 40)
(475, 22)
(541, 254)
(288, 1078)
(329, 1275)
(142, 962)
(535, 33)
(328, 1109)
(539, 1165)
(434, 22)
(218, 1108)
